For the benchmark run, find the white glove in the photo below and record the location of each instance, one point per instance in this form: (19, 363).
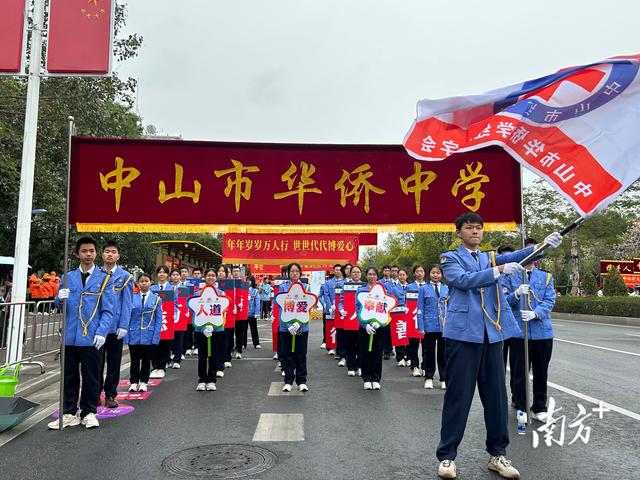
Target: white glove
(554, 240)
(528, 315)
(293, 329)
(63, 293)
(343, 313)
(511, 268)
(522, 290)
(121, 332)
(332, 308)
(208, 331)
(98, 341)
(371, 330)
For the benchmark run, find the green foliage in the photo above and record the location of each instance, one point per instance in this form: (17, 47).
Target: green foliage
(614, 285)
(589, 284)
(613, 306)
(563, 283)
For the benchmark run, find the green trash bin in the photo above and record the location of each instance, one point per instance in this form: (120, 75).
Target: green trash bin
(8, 383)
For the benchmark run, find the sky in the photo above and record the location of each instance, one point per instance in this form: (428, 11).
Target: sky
(349, 71)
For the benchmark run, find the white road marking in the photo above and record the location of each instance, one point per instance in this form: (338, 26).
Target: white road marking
(275, 390)
(632, 335)
(598, 347)
(595, 323)
(280, 427)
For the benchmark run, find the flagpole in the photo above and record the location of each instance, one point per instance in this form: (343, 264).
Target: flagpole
(544, 246)
(524, 301)
(63, 329)
(25, 199)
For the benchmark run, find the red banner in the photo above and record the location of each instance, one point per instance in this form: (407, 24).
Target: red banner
(330, 335)
(411, 302)
(184, 317)
(228, 287)
(338, 321)
(275, 313)
(399, 336)
(168, 314)
(368, 239)
(262, 270)
(350, 320)
(12, 35)
(79, 40)
(242, 296)
(280, 188)
(310, 248)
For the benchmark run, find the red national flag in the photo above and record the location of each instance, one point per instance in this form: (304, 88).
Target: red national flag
(79, 40)
(12, 37)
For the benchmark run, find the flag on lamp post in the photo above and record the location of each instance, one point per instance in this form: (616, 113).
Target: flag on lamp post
(576, 128)
(12, 35)
(80, 37)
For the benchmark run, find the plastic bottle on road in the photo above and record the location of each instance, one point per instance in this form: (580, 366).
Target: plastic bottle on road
(522, 422)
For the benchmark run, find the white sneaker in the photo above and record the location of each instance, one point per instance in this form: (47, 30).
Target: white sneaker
(542, 417)
(142, 387)
(359, 372)
(238, 356)
(447, 469)
(503, 467)
(257, 347)
(428, 383)
(286, 387)
(416, 372)
(183, 357)
(201, 387)
(153, 374)
(342, 362)
(443, 385)
(176, 366)
(376, 385)
(282, 373)
(161, 373)
(331, 352)
(195, 351)
(211, 386)
(170, 365)
(90, 421)
(279, 365)
(275, 356)
(351, 373)
(368, 386)
(68, 420)
(303, 387)
(220, 374)
(133, 387)
(227, 364)
(402, 363)
(189, 352)
(408, 363)
(323, 345)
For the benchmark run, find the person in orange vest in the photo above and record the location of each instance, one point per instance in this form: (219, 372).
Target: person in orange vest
(35, 285)
(46, 288)
(55, 283)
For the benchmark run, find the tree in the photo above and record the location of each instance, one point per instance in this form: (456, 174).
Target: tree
(589, 284)
(614, 285)
(563, 282)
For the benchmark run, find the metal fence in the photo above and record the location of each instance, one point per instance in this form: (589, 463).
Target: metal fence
(40, 335)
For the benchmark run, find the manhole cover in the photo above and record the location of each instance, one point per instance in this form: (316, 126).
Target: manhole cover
(220, 461)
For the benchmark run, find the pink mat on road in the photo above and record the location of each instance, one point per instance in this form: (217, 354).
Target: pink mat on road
(105, 413)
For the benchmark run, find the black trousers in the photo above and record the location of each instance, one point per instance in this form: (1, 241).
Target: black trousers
(324, 327)
(411, 351)
(539, 358)
(177, 346)
(140, 363)
(81, 362)
(351, 343)
(433, 347)
(387, 348)
(401, 353)
(207, 364)
(294, 364)
(112, 356)
(265, 308)
(241, 334)
(371, 361)
(219, 339)
(469, 364)
(161, 354)
(229, 334)
(341, 345)
(188, 342)
(253, 325)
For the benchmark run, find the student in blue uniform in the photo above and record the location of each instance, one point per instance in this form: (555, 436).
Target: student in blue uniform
(89, 317)
(419, 275)
(175, 359)
(430, 323)
(399, 291)
(254, 311)
(122, 298)
(504, 284)
(341, 350)
(478, 320)
(161, 353)
(330, 295)
(541, 300)
(350, 337)
(370, 361)
(322, 298)
(390, 284)
(188, 345)
(208, 364)
(409, 354)
(144, 332)
(294, 364)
